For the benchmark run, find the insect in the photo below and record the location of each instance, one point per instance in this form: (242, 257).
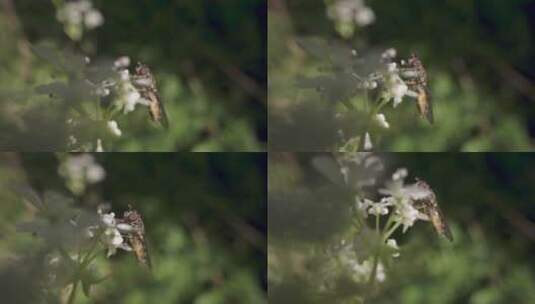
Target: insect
(415, 77)
(429, 206)
(136, 238)
(145, 82)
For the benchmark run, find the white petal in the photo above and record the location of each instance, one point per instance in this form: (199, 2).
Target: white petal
(95, 174)
(381, 119)
(93, 19)
(114, 128)
(122, 62)
(367, 142)
(400, 174)
(99, 146)
(108, 219)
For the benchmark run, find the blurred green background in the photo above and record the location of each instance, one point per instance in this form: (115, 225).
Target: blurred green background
(205, 220)
(479, 55)
(208, 57)
(486, 198)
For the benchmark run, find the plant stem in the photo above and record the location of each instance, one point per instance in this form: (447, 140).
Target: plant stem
(371, 280)
(98, 112)
(389, 232)
(72, 296)
(377, 223)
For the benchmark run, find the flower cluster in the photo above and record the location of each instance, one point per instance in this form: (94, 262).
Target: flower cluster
(80, 171)
(362, 254)
(112, 235)
(360, 169)
(117, 93)
(389, 81)
(127, 94)
(398, 197)
(349, 13)
(76, 14)
(360, 271)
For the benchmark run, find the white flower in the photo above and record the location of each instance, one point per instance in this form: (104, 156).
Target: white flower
(114, 128)
(344, 10)
(380, 274)
(95, 174)
(361, 272)
(124, 75)
(381, 119)
(367, 142)
(351, 12)
(395, 88)
(79, 170)
(70, 13)
(400, 174)
(99, 146)
(132, 97)
(391, 67)
(381, 208)
(83, 5)
(377, 210)
(364, 16)
(403, 197)
(406, 214)
(367, 206)
(394, 245)
(74, 13)
(108, 219)
(102, 91)
(122, 62)
(93, 19)
(389, 53)
(398, 90)
(128, 97)
(112, 236)
(72, 140)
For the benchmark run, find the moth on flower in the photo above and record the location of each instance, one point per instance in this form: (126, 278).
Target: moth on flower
(429, 206)
(415, 76)
(136, 237)
(145, 83)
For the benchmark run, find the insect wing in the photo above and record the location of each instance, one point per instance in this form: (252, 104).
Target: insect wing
(440, 223)
(140, 249)
(424, 104)
(136, 239)
(146, 83)
(156, 109)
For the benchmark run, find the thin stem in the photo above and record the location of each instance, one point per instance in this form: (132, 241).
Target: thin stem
(86, 259)
(72, 296)
(389, 232)
(98, 113)
(377, 223)
(371, 280)
(383, 102)
(388, 222)
(348, 104)
(371, 115)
